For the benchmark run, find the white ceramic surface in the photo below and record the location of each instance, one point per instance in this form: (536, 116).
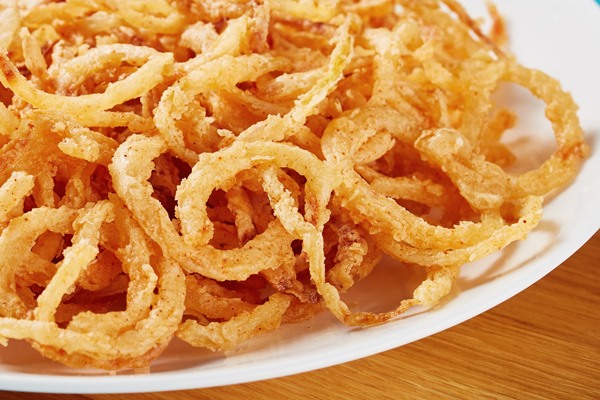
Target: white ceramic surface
(557, 36)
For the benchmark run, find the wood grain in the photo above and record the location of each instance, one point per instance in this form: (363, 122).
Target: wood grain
(542, 344)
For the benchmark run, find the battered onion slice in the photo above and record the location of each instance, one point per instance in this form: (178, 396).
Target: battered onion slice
(151, 72)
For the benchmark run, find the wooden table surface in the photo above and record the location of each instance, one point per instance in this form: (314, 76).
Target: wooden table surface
(542, 344)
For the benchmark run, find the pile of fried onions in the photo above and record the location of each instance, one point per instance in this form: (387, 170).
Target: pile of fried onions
(210, 170)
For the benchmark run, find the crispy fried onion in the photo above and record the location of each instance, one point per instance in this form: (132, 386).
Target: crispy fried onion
(211, 170)
(120, 339)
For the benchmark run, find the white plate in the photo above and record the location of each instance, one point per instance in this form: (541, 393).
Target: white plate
(560, 37)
